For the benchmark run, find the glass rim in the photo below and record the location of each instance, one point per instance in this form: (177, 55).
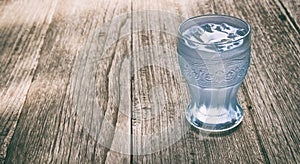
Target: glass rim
(214, 15)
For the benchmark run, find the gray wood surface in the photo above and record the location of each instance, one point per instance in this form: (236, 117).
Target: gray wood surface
(99, 82)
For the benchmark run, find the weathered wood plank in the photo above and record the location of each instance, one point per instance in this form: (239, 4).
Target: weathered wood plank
(115, 131)
(291, 8)
(159, 29)
(2, 138)
(157, 85)
(78, 78)
(20, 44)
(272, 82)
(73, 91)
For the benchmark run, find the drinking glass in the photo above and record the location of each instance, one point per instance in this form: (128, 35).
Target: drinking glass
(214, 56)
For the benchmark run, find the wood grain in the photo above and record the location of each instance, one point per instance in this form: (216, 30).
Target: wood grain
(272, 81)
(264, 150)
(278, 85)
(19, 53)
(194, 146)
(61, 117)
(99, 82)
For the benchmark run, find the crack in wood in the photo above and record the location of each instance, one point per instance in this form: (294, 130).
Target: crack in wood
(290, 17)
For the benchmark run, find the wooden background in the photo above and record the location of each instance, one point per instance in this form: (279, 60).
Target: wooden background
(98, 81)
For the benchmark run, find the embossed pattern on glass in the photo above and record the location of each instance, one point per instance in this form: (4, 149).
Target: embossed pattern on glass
(214, 56)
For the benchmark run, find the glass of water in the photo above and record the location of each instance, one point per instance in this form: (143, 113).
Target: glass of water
(214, 56)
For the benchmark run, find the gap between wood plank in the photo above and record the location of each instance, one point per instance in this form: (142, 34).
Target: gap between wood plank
(131, 85)
(249, 108)
(290, 18)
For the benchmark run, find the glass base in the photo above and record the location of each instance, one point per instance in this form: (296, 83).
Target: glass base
(214, 123)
